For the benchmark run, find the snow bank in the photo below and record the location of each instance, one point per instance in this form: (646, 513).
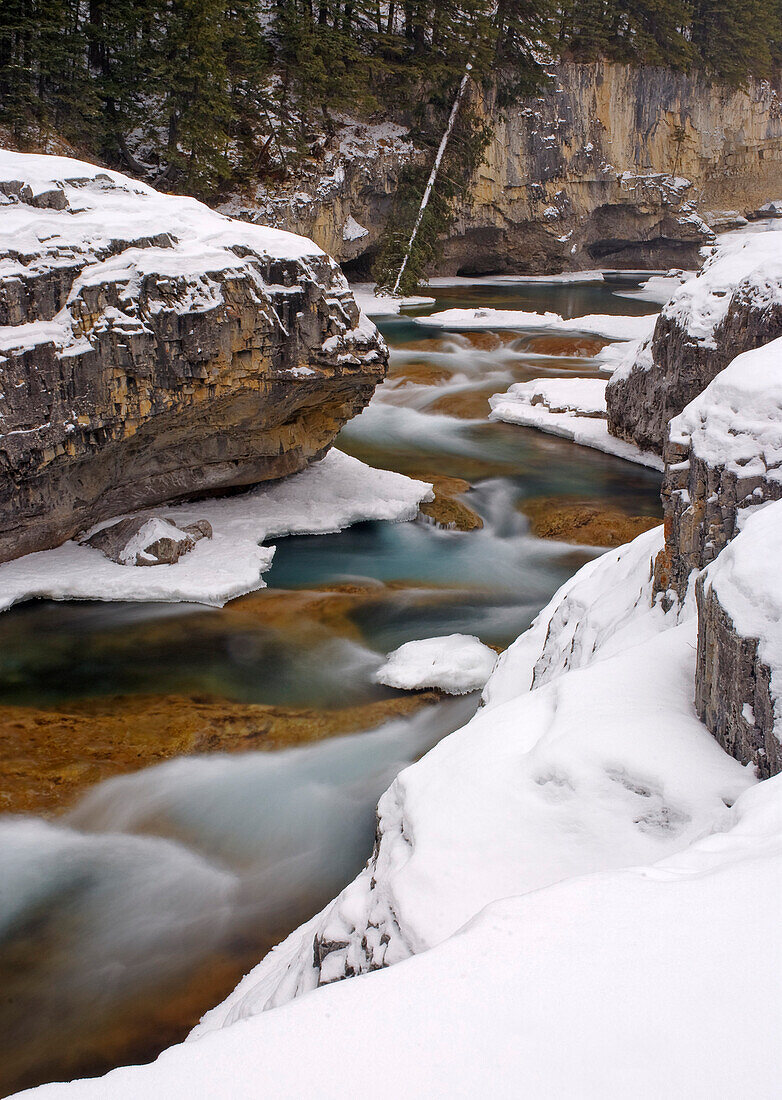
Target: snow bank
(572, 408)
(455, 663)
(736, 422)
(627, 982)
(628, 848)
(327, 496)
(606, 325)
(747, 581)
(384, 305)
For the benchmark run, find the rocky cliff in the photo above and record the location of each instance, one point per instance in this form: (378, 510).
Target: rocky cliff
(738, 691)
(723, 456)
(151, 350)
(610, 166)
(733, 305)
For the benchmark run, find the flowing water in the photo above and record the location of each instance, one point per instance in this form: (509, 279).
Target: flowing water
(139, 901)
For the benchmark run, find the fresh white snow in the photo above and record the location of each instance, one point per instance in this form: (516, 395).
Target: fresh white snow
(327, 496)
(376, 304)
(606, 325)
(584, 880)
(736, 422)
(746, 579)
(455, 663)
(572, 408)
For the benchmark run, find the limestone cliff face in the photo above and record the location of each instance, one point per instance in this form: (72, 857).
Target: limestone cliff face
(733, 687)
(738, 686)
(151, 350)
(610, 166)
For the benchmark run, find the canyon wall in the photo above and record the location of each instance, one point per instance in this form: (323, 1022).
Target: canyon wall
(610, 166)
(152, 350)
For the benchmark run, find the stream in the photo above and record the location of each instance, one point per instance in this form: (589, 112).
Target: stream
(132, 899)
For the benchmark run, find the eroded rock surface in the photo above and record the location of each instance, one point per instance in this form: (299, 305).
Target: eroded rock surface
(723, 456)
(148, 540)
(610, 166)
(151, 349)
(733, 305)
(739, 663)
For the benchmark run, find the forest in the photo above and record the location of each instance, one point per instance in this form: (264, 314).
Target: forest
(201, 96)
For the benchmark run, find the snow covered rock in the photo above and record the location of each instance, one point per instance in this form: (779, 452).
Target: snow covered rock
(455, 663)
(733, 305)
(152, 349)
(148, 540)
(330, 494)
(572, 408)
(723, 455)
(587, 755)
(739, 668)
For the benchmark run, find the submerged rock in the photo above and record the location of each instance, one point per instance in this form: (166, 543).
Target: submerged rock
(151, 349)
(584, 522)
(448, 510)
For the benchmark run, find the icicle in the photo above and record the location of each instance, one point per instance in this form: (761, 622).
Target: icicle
(433, 175)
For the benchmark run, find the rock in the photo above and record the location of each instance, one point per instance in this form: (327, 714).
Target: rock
(768, 210)
(738, 689)
(723, 456)
(447, 510)
(153, 350)
(148, 540)
(608, 166)
(732, 305)
(50, 755)
(584, 522)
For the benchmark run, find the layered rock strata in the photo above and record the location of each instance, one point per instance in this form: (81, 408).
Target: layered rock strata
(739, 665)
(611, 165)
(723, 456)
(733, 305)
(152, 350)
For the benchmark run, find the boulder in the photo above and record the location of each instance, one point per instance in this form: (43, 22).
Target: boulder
(153, 350)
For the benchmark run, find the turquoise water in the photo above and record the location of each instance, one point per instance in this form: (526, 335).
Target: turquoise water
(201, 863)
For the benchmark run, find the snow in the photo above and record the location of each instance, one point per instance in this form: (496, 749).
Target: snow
(579, 395)
(328, 496)
(585, 881)
(642, 982)
(101, 213)
(352, 231)
(657, 289)
(736, 422)
(563, 277)
(384, 305)
(153, 530)
(608, 326)
(746, 262)
(455, 663)
(746, 580)
(572, 408)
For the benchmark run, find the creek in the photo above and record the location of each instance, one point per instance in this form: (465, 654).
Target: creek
(131, 905)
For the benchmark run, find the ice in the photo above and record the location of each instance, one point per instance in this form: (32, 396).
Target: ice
(455, 663)
(608, 326)
(571, 408)
(328, 496)
(736, 422)
(376, 304)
